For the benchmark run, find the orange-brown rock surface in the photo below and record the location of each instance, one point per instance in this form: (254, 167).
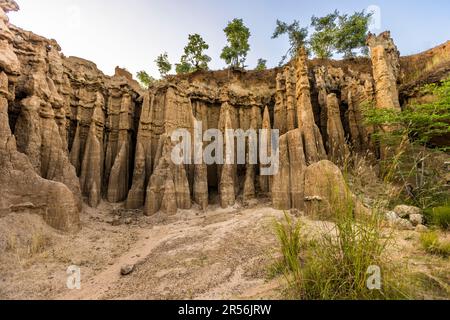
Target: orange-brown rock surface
(70, 133)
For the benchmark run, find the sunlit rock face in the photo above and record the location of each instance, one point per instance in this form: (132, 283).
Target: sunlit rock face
(70, 133)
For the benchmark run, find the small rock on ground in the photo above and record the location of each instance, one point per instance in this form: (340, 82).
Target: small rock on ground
(127, 269)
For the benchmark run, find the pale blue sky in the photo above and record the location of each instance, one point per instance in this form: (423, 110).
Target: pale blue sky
(132, 33)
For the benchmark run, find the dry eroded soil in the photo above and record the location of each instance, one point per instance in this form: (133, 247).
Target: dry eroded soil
(221, 254)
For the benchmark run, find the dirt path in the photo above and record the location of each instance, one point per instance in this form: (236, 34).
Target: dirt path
(221, 254)
(94, 287)
(218, 255)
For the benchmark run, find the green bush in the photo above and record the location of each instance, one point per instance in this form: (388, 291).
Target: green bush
(431, 243)
(334, 265)
(337, 265)
(439, 216)
(288, 234)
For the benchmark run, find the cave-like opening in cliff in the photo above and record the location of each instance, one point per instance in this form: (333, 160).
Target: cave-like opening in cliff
(13, 115)
(344, 113)
(73, 123)
(344, 107)
(213, 183)
(15, 108)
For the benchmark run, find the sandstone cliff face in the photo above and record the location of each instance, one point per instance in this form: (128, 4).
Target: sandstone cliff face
(23, 183)
(71, 133)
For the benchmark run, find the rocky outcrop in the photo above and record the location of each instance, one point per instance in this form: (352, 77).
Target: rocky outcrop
(360, 94)
(327, 194)
(288, 184)
(386, 72)
(336, 143)
(312, 138)
(23, 189)
(92, 165)
(21, 186)
(41, 112)
(227, 177)
(281, 195)
(78, 134)
(168, 189)
(143, 158)
(265, 181)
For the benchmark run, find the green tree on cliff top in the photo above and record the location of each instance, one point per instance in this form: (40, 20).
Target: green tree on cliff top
(163, 64)
(261, 65)
(145, 79)
(297, 37)
(352, 33)
(194, 58)
(235, 53)
(324, 37)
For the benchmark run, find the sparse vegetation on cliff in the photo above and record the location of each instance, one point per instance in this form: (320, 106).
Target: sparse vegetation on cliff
(235, 53)
(334, 33)
(414, 165)
(420, 122)
(163, 64)
(145, 79)
(296, 34)
(261, 65)
(194, 58)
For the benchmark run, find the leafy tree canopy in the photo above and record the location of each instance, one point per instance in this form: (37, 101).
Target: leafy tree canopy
(163, 64)
(333, 33)
(145, 79)
(324, 36)
(297, 37)
(261, 65)
(352, 33)
(183, 67)
(194, 58)
(235, 53)
(421, 122)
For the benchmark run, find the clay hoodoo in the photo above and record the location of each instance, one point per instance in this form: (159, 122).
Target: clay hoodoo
(227, 177)
(71, 133)
(21, 186)
(92, 165)
(265, 181)
(312, 138)
(336, 142)
(143, 158)
(386, 73)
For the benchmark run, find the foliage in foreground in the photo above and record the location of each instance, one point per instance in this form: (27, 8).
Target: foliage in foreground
(337, 264)
(432, 244)
(439, 216)
(421, 122)
(288, 233)
(411, 133)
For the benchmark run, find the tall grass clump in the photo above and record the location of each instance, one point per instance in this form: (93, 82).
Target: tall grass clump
(288, 232)
(439, 216)
(412, 136)
(433, 245)
(335, 265)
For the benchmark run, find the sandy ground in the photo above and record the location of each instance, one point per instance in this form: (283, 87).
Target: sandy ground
(221, 254)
